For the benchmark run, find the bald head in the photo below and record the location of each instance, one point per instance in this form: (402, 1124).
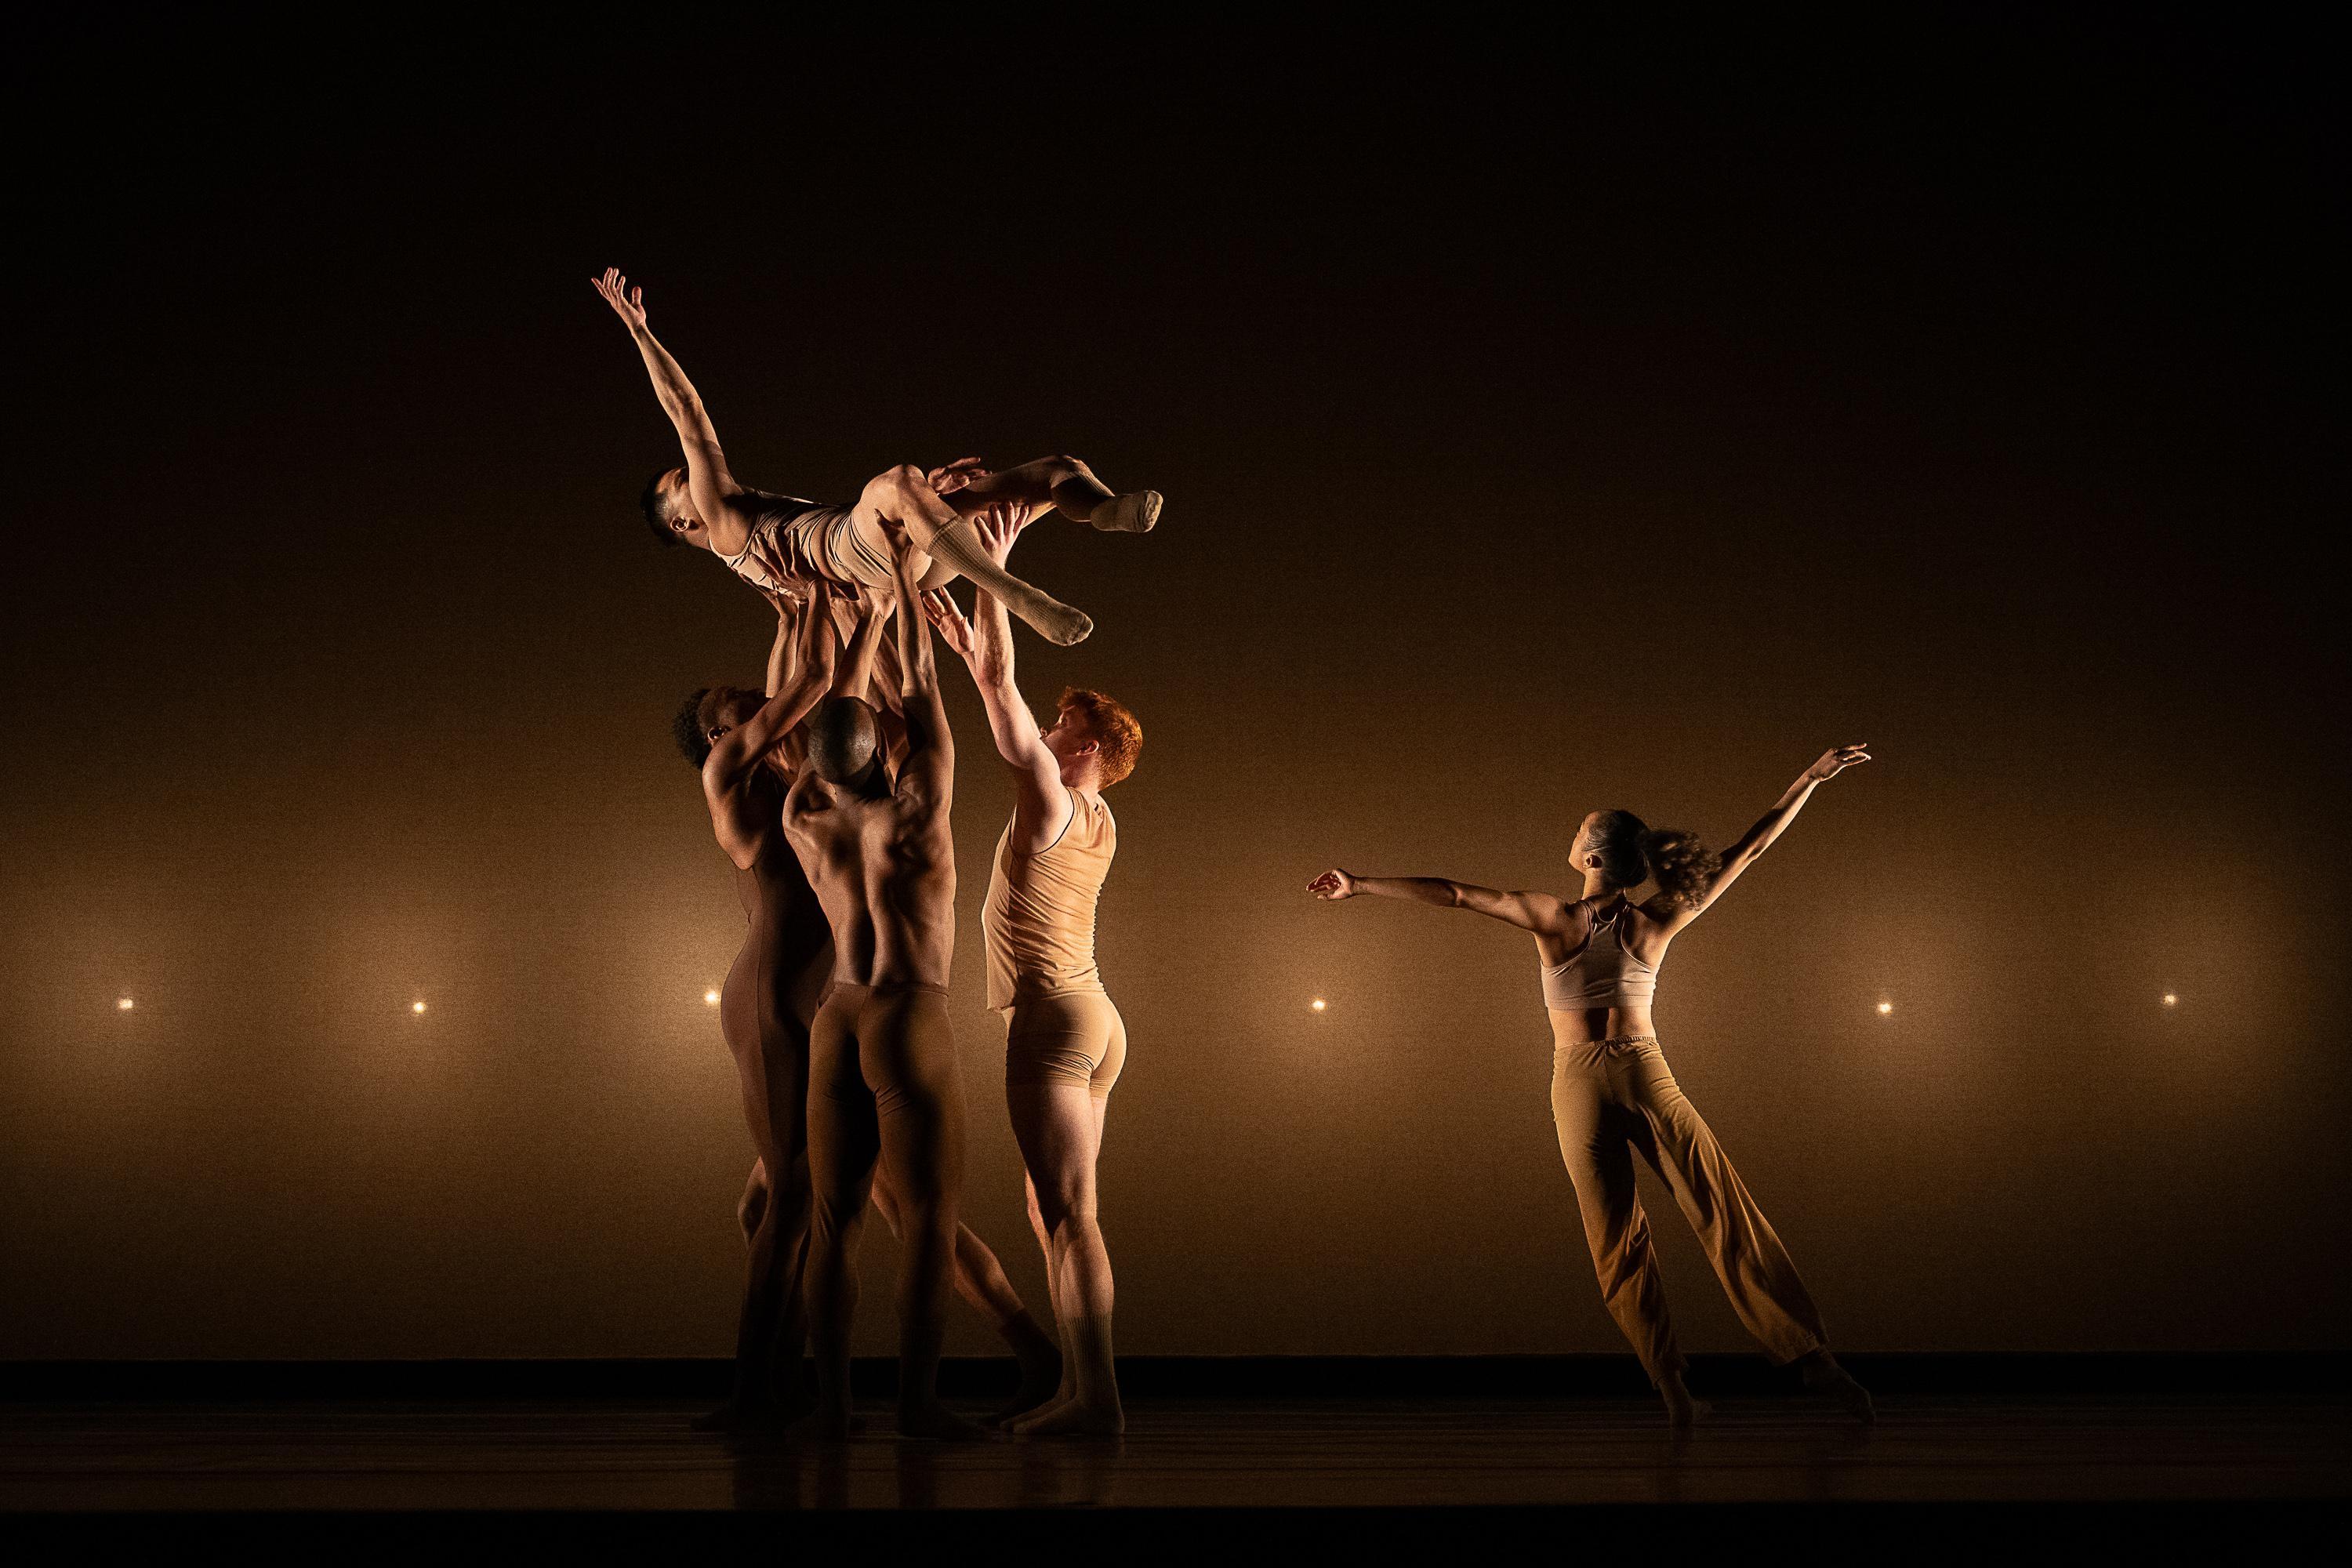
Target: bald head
(844, 735)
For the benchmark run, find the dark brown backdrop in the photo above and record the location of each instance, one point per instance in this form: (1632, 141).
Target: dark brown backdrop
(1547, 423)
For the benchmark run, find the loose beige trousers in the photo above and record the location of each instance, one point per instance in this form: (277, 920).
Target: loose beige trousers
(1613, 1098)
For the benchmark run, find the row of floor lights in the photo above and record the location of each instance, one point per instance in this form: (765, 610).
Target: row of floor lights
(710, 999)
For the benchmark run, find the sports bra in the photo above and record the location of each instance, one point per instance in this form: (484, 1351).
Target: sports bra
(1604, 972)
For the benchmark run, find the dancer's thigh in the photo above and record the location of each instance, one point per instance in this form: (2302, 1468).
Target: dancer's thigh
(906, 1052)
(844, 1140)
(1676, 1139)
(1059, 1128)
(1593, 1132)
(1027, 489)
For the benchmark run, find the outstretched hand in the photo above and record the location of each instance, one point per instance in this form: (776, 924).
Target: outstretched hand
(954, 630)
(950, 478)
(1334, 885)
(997, 528)
(627, 303)
(1836, 760)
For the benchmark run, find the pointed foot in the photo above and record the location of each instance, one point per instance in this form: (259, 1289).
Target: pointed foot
(1137, 512)
(1825, 1379)
(1056, 622)
(1072, 1418)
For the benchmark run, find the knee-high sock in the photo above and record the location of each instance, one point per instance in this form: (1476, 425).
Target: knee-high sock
(959, 545)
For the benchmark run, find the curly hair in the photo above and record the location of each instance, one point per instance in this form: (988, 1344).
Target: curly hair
(687, 728)
(1631, 850)
(657, 508)
(1109, 725)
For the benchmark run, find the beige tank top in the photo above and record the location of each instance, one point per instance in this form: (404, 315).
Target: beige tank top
(795, 541)
(1039, 918)
(1604, 971)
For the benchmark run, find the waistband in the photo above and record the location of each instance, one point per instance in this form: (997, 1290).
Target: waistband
(1616, 1044)
(887, 988)
(1080, 988)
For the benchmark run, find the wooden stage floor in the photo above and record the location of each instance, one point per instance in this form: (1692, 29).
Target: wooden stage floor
(1361, 1456)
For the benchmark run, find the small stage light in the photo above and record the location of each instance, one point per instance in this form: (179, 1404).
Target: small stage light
(1318, 1004)
(416, 1006)
(1886, 1007)
(123, 1005)
(710, 997)
(2170, 1000)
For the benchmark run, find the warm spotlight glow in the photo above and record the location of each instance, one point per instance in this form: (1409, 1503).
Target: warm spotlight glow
(2170, 1000)
(416, 1006)
(1319, 1003)
(1886, 1007)
(125, 1004)
(710, 997)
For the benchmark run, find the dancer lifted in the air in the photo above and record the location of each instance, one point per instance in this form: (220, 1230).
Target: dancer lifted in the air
(1612, 1095)
(777, 542)
(884, 1084)
(737, 738)
(1065, 1041)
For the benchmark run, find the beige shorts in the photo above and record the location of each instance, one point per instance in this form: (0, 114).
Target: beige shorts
(1076, 1037)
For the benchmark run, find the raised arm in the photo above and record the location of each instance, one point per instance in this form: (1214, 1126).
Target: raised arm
(783, 654)
(1542, 913)
(930, 764)
(708, 485)
(1771, 825)
(1041, 801)
(857, 671)
(736, 755)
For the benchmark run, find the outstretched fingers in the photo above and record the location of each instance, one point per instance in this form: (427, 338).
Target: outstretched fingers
(941, 610)
(629, 303)
(1837, 759)
(997, 528)
(950, 478)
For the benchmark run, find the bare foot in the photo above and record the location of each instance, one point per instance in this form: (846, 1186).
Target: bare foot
(1681, 1410)
(1073, 1418)
(1036, 1413)
(1825, 1379)
(1031, 1397)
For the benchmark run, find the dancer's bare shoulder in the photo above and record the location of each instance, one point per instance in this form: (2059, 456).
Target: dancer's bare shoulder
(1658, 920)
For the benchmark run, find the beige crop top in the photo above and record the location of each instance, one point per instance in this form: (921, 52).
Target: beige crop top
(1604, 972)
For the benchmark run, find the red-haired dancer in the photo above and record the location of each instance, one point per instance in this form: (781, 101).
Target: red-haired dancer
(1065, 1041)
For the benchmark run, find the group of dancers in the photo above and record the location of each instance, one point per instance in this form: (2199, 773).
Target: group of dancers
(831, 790)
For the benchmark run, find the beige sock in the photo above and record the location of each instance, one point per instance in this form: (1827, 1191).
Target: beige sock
(959, 545)
(1134, 513)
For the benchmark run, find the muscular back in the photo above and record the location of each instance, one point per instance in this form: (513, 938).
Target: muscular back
(779, 908)
(884, 869)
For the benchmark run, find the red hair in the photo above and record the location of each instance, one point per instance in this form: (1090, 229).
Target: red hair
(1117, 737)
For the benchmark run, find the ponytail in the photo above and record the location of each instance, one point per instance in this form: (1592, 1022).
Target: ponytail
(1631, 850)
(1683, 866)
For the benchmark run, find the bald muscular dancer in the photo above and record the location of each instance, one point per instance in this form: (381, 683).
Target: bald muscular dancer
(765, 1008)
(884, 1085)
(775, 543)
(1064, 1040)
